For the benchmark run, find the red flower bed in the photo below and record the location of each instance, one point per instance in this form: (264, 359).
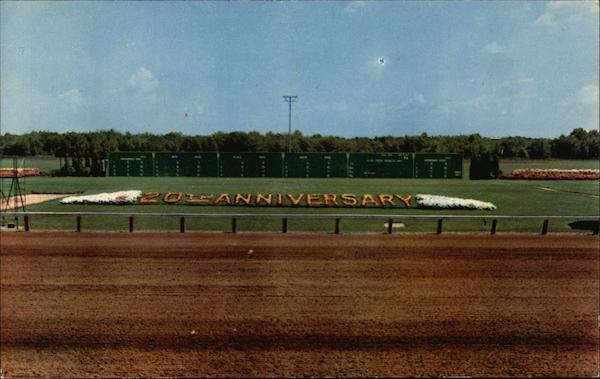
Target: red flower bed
(553, 174)
(9, 172)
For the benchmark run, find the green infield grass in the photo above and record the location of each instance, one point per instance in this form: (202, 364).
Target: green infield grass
(49, 163)
(512, 197)
(44, 163)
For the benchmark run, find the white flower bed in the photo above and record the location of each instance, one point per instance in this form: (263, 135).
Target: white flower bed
(435, 201)
(121, 197)
(557, 170)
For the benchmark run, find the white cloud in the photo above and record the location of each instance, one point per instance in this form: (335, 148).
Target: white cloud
(492, 48)
(564, 12)
(339, 106)
(71, 99)
(585, 97)
(336, 106)
(456, 106)
(544, 19)
(488, 103)
(419, 98)
(354, 6)
(526, 80)
(143, 80)
(588, 94)
(582, 107)
(406, 106)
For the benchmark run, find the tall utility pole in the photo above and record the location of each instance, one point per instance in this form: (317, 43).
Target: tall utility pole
(290, 100)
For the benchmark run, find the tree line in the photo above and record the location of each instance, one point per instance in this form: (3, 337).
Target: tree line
(82, 153)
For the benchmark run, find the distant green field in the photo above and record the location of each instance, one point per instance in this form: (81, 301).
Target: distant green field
(46, 164)
(507, 165)
(569, 198)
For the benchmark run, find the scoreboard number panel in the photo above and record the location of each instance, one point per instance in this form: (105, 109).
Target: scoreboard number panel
(250, 165)
(186, 164)
(438, 166)
(131, 164)
(167, 164)
(198, 164)
(382, 165)
(315, 165)
(286, 165)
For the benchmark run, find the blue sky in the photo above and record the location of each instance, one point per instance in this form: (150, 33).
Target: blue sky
(494, 68)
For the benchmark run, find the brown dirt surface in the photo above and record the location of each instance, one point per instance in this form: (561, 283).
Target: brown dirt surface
(11, 172)
(250, 304)
(31, 199)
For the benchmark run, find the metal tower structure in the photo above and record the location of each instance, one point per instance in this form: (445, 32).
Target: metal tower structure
(13, 198)
(290, 100)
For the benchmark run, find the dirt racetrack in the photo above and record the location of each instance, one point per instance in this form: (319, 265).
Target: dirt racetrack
(221, 304)
(30, 199)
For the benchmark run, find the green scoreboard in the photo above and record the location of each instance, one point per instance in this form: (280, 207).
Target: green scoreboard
(382, 165)
(185, 164)
(315, 165)
(438, 166)
(251, 165)
(286, 165)
(130, 164)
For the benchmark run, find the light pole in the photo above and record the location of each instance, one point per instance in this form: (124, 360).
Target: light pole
(290, 100)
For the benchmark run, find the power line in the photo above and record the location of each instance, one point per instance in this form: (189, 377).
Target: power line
(290, 100)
